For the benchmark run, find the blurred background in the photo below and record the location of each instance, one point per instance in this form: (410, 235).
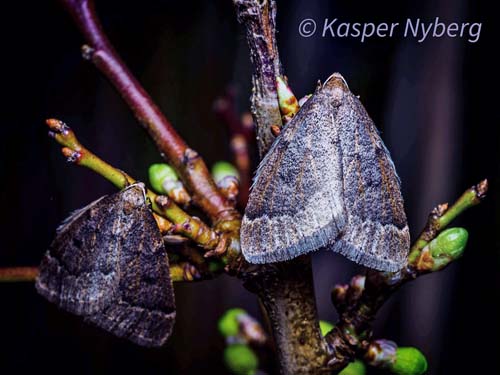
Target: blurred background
(434, 102)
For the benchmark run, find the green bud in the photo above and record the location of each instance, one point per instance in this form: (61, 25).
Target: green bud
(240, 359)
(354, 368)
(228, 323)
(450, 242)
(409, 361)
(325, 327)
(223, 169)
(158, 173)
(448, 246)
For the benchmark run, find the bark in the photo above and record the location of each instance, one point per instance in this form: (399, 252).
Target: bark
(286, 291)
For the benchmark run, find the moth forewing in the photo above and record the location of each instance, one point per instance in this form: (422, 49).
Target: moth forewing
(328, 180)
(108, 264)
(296, 203)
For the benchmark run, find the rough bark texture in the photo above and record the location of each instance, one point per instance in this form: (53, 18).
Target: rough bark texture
(287, 292)
(259, 21)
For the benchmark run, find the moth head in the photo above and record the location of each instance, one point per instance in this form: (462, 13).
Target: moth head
(336, 87)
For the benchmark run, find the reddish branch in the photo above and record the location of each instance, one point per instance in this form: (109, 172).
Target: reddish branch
(15, 274)
(186, 161)
(242, 137)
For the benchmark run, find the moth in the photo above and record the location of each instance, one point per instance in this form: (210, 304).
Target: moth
(108, 264)
(327, 181)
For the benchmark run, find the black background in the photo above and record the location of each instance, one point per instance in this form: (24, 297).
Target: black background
(435, 103)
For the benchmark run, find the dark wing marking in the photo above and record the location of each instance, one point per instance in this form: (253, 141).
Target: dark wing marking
(377, 233)
(296, 204)
(108, 264)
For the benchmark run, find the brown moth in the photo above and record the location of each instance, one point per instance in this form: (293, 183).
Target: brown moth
(108, 264)
(327, 181)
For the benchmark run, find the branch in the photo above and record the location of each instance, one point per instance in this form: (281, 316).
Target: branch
(184, 224)
(16, 274)
(359, 302)
(189, 165)
(441, 216)
(242, 136)
(259, 20)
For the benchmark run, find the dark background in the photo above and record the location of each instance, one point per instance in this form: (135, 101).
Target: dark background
(435, 103)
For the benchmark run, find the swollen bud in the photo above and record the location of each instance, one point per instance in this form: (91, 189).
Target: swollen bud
(354, 368)
(158, 173)
(288, 103)
(223, 169)
(445, 248)
(409, 361)
(164, 180)
(450, 243)
(228, 323)
(240, 359)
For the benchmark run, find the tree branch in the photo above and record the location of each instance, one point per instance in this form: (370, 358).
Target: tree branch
(189, 165)
(17, 274)
(259, 20)
(242, 136)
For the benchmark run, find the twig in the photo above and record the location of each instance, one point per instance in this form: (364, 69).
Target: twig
(16, 274)
(189, 165)
(259, 21)
(241, 137)
(441, 216)
(352, 333)
(184, 224)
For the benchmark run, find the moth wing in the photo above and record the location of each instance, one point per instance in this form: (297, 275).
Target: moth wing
(296, 206)
(108, 264)
(77, 273)
(377, 233)
(145, 310)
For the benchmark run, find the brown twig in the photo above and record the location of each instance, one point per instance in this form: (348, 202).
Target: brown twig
(351, 335)
(189, 165)
(16, 274)
(241, 133)
(259, 21)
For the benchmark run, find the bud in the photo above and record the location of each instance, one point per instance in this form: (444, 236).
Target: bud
(158, 173)
(409, 361)
(444, 249)
(164, 180)
(223, 169)
(240, 359)
(450, 243)
(288, 103)
(228, 323)
(354, 368)
(325, 327)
